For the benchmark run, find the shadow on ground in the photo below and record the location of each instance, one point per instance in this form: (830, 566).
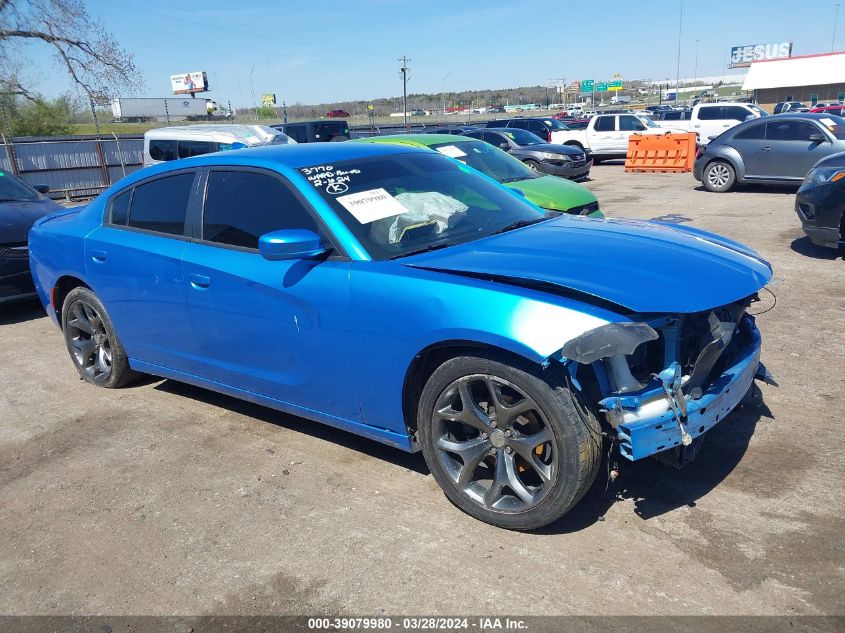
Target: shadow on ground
(409, 461)
(653, 487)
(803, 246)
(783, 189)
(21, 311)
(657, 489)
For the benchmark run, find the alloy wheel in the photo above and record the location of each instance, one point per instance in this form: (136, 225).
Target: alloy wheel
(90, 341)
(718, 175)
(495, 443)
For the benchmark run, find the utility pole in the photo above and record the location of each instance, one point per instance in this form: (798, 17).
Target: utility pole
(443, 95)
(835, 22)
(678, 69)
(405, 71)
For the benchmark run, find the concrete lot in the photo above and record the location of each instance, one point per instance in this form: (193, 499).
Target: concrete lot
(166, 499)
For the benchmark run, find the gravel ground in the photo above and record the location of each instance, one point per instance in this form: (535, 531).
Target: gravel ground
(167, 499)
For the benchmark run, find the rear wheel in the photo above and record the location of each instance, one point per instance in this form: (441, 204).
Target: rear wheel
(92, 342)
(508, 445)
(719, 176)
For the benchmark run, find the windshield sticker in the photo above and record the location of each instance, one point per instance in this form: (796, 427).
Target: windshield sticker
(335, 181)
(828, 122)
(451, 151)
(372, 205)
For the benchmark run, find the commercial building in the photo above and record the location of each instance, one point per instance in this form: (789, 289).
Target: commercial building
(810, 79)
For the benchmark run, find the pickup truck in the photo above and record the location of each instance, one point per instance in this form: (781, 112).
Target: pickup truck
(606, 135)
(708, 120)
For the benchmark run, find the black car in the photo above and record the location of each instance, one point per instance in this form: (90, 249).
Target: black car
(820, 202)
(20, 206)
(543, 127)
(567, 161)
(452, 129)
(315, 131)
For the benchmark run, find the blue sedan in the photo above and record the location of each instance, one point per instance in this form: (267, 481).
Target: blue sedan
(397, 293)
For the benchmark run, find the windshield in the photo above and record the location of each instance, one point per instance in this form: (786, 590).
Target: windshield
(759, 112)
(555, 124)
(522, 137)
(835, 124)
(405, 203)
(647, 122)
(12, 189)
(487, 159)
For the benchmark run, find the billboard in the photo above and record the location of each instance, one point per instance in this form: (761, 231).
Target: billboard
(268, 100)
(743, 56)
(189, 83)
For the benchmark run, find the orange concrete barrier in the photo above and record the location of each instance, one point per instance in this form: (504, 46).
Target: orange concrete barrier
(661, 152)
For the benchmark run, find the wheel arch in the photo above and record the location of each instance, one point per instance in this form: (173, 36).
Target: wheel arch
(735, 163)
(430, 358)
(64, 284)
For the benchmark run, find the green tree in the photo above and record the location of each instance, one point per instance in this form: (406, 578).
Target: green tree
(36, 116)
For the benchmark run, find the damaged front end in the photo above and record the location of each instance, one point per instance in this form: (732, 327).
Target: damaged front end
(663, 381)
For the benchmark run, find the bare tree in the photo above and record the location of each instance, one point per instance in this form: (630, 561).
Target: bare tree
(81, 46)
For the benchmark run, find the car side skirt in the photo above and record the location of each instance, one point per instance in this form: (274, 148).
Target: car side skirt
(384, 436)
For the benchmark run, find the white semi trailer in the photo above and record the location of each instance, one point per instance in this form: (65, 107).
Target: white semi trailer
(127, 109)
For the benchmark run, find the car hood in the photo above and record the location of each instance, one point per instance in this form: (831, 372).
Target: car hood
(16, 218)
(642, 266)
(551, 192)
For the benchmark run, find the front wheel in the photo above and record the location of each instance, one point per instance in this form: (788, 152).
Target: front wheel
(533, 164)
(511, 446)
(96, 351)
(719, 176)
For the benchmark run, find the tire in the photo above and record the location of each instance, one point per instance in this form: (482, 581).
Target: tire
(520, 474)
(596, 160)
(533, 164)
(92, 342)
(338, 138)
(719, 176)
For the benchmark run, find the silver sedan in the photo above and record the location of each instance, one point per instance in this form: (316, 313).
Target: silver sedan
(773, 150)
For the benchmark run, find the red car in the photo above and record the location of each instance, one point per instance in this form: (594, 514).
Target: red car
(838, 110)
(335, 114)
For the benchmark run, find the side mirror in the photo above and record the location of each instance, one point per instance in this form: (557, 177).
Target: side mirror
(290, 244)
(504, 146)
(750, 117)
(41, 188)
(818, 137)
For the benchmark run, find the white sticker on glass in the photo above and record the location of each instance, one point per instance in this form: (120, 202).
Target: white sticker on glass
(369, 206)
(451, 151)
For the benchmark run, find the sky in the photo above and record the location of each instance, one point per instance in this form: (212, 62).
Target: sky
(324, 51)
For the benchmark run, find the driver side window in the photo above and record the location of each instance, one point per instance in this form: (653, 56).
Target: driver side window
(241, 206)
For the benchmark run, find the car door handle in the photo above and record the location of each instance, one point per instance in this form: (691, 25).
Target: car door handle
(98, 256)
(767, 149)
(200, 282)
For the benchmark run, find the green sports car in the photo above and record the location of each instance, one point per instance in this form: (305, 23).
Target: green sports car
(549, 192)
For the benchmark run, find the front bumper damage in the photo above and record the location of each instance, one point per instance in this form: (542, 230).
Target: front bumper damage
(664, 417)
(667, 414)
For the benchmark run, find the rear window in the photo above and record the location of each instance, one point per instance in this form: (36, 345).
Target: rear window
(161, 205)
(163, 149)
(605, 124)
(327, 130)
(195, 148)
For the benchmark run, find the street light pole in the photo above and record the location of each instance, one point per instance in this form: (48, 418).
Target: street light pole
(443, 95)
(678, 68)
(404, 71)
(835, 23)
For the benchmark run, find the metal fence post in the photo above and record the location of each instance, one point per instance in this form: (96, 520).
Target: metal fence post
(10, 152)
(102, 157)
